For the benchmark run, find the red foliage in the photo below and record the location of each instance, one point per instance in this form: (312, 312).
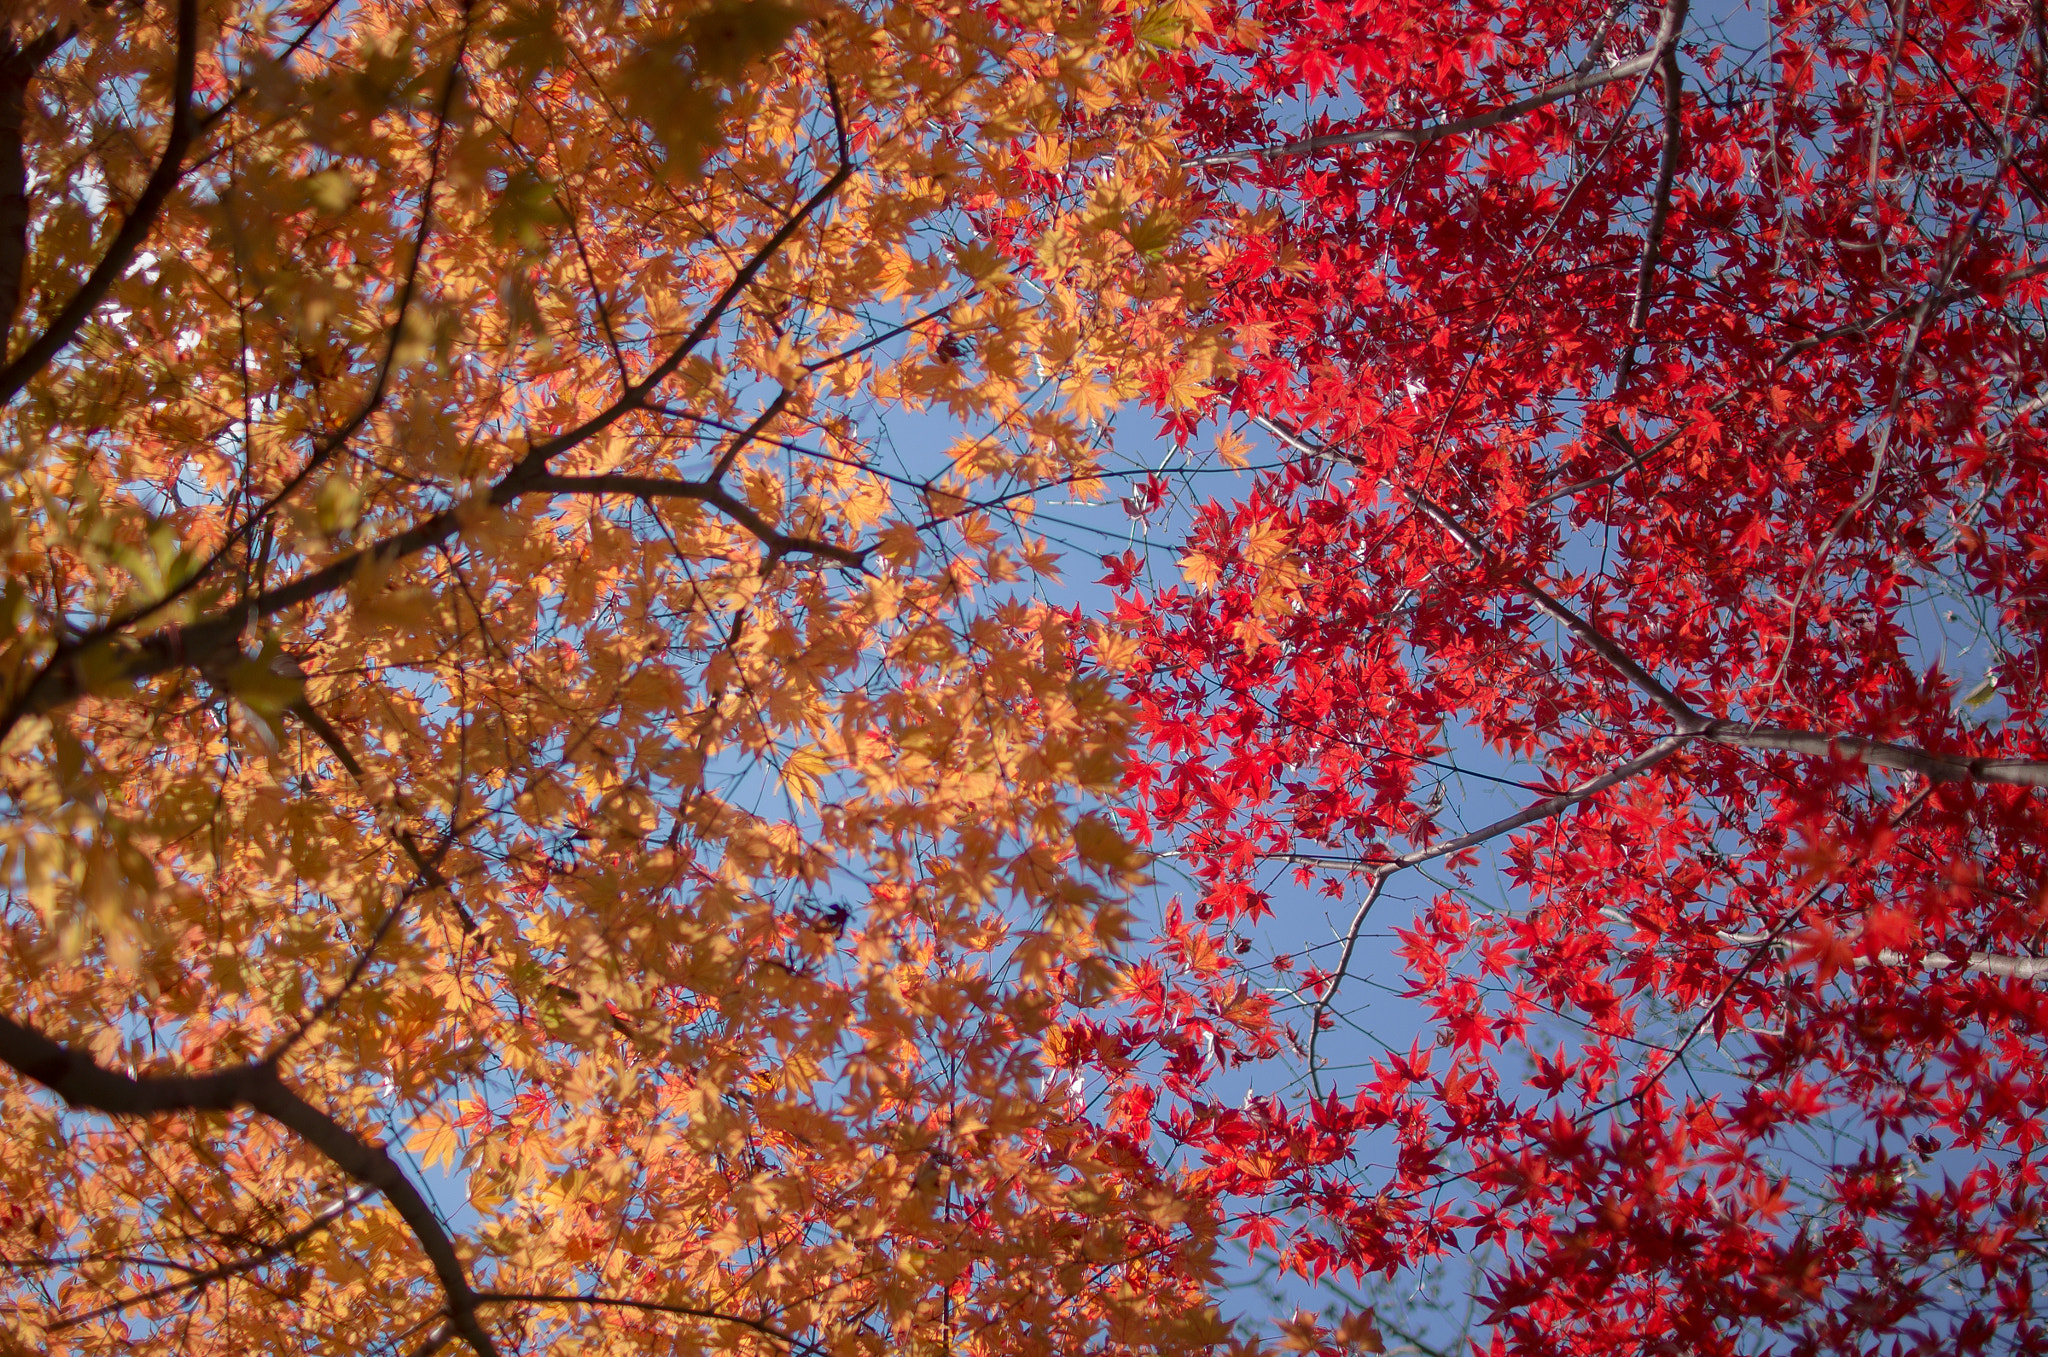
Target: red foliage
(1661, 437)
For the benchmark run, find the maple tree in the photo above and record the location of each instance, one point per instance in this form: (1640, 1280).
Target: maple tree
(524, 828)
(1657, 392)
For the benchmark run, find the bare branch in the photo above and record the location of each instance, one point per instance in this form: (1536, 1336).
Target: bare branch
(1329, 990)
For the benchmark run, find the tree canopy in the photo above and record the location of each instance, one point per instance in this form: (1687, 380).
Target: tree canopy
(1645, 630)
(554, 798)
(522, 828)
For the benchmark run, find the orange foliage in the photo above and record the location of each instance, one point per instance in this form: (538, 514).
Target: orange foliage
(525, 826)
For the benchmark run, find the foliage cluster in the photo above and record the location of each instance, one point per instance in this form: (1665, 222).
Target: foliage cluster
(550, 801)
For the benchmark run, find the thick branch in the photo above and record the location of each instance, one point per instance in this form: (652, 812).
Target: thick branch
(1669, 76)
(1981, 963)
(370, 1165)
(135, 229)
(18, 67)
(1978, 963)
(84, 1083)
(1880, 754)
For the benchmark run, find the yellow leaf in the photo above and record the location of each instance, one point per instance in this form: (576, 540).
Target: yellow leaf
(803, 773)
(1359, 1331)
(1301, 1333)
(435, 1141)
(1099, 844)
(1200, 571)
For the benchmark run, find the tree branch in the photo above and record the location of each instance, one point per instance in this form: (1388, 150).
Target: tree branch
(1597, 640)
(1635, 462)
(1691, 723)
(372, 1166)
(1424, 134)
(18, 68)
(1669, 76)
(1384, 869)
(212, 640)
(635, 396)
(709, 492)
(135, 229)
(1778, 930)
(651, 1306)
(430, 875)
(198, 1281)
(1906, 308)
(58, 683)
(1982, 963)
(1880, 754)
(84, 1083)
(747, 435)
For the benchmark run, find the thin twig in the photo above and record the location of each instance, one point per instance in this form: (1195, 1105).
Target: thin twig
(1383, 870)
(197, 1281)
